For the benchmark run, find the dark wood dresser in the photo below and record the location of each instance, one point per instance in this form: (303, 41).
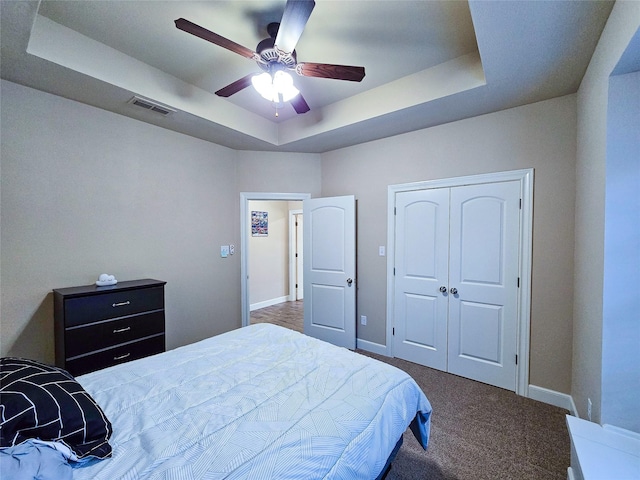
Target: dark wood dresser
(97, 327)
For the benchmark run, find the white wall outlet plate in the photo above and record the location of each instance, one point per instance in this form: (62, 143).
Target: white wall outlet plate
(232, 249)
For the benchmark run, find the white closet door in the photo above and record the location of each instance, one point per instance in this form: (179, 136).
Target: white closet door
(421, 262)
(483, 269)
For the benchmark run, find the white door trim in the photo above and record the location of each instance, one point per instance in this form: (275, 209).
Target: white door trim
(292, 254)
(245, 197)
(525, 177)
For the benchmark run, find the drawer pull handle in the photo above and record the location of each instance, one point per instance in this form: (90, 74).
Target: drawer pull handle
(122, 356)
(121, 304)
(120, 330)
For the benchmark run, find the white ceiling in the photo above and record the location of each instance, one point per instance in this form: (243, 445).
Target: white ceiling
(426, 62)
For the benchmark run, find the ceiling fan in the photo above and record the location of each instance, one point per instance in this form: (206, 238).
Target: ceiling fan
(276, 56)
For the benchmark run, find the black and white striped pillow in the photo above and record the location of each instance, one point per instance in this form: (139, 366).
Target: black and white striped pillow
(45, 402)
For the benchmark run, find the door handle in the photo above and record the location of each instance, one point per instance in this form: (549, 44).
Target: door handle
(443, 289)
(349, 281)
(453, 291)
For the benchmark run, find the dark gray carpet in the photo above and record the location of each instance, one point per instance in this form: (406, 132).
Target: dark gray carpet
(477, 431)
(481, 432)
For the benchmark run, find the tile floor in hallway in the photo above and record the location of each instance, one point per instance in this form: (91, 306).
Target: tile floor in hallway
(285, 314)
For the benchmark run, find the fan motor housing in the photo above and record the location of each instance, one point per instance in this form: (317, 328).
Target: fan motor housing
(269, 53)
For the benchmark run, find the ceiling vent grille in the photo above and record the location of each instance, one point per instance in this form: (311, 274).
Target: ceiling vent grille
(151, 106)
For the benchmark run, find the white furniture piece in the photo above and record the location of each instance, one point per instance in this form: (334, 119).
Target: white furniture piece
(602, 452)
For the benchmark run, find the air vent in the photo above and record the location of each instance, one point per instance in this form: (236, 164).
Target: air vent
(151, 106)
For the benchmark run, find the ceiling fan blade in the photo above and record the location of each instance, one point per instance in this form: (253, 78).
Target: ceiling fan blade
(198, 31)
(299, 104)
(325, 70)
(236, 86)
(295, 17)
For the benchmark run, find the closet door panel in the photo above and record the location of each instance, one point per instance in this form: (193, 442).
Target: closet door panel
(420, 308)
(483, 270)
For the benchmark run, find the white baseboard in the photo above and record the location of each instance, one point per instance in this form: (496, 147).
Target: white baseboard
(268, 303)
(372, 347)
(552, 397)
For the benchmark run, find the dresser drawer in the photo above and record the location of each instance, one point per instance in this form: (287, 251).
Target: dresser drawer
(92, 308)
(105, 334)
(97, 327)
(116, 355)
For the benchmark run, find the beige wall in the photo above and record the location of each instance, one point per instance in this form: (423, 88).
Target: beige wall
(84, 192)
(541, 136)
(623, 23)
(279, 172)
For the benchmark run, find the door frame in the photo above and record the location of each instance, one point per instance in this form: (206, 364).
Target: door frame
(525, 177)
(293, 261)
(245, 218)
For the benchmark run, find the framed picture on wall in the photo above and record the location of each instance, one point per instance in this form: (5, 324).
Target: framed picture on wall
(259, 224)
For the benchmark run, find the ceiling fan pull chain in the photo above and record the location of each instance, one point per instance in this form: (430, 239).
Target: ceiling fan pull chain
(279, 102)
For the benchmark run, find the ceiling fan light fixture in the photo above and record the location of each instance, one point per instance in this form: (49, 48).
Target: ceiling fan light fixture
(274, 55)
(277, 88)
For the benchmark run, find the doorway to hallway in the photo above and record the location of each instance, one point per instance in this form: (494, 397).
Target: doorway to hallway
(254, 250)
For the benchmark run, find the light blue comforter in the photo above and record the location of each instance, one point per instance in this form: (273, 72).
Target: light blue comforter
(260, 402)
(35, 460)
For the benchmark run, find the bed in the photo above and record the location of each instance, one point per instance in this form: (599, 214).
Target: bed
(259, 402)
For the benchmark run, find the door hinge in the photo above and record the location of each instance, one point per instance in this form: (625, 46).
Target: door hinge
(296, 255)
(393, 331)
(394, 271)
(518, 282)
(394, 210)
(520, 204)
(516, 359)
(296, 285)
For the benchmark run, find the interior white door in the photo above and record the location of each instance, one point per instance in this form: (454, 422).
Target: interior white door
(421, 271)
(483, 273)
(329, 269)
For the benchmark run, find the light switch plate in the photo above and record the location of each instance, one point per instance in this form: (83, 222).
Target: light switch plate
(381, 251)
(224, 251)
